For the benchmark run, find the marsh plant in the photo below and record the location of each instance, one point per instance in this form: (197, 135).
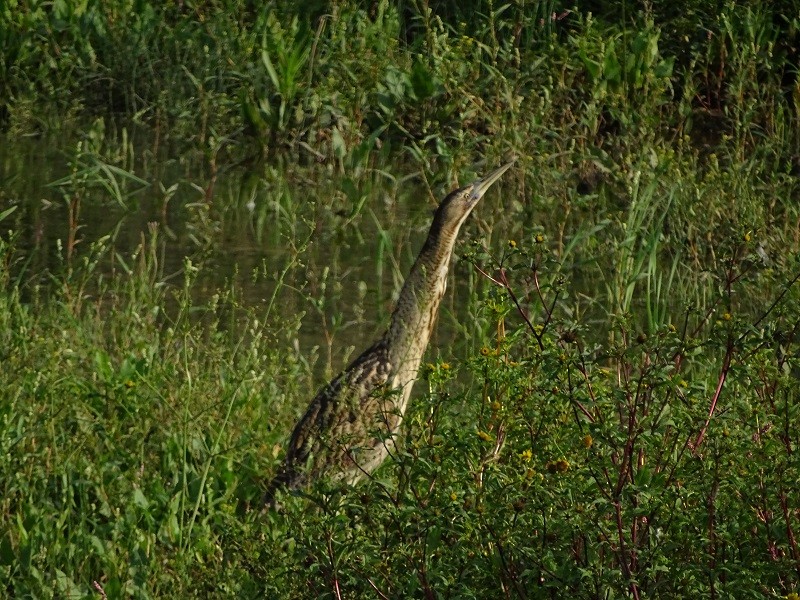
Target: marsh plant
(609, 407)
(563, 456)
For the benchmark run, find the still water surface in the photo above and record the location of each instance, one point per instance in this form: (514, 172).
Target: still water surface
(362, 233)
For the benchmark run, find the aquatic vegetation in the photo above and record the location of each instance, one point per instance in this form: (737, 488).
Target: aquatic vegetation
(207, 206)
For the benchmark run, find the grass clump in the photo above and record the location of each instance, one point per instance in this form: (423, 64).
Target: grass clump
(119, 420)
(139, 427)
(622, 421)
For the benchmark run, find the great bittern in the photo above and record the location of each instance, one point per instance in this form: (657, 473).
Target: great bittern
(350, 425)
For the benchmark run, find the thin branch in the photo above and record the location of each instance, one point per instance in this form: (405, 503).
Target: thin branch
(723, 375)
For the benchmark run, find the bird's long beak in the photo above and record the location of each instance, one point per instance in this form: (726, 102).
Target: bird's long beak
(480, 187)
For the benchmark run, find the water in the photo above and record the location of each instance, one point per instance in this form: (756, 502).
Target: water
(340, 240)
(345, 244)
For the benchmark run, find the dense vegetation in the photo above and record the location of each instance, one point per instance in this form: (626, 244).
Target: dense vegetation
(625, 418)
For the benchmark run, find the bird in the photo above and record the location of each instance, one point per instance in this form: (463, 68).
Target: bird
(350, 426)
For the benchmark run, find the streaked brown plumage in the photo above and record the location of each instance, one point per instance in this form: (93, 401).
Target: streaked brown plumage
(350, 426)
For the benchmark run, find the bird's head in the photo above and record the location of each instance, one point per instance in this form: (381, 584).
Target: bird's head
(458, 204)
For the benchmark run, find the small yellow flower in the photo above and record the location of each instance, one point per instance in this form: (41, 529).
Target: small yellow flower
(445, 366)
(587, 441)
(748, 236)
(484, 436)
(539, 238)
(129, 384)
(496, 406)
(726, 316)
(526, 455)
(485, 351)
(453, 497)
(512, 244)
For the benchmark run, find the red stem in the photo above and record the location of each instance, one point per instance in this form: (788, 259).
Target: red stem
(723, 375)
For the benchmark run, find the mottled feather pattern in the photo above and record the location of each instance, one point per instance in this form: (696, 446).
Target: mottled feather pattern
(339, 434)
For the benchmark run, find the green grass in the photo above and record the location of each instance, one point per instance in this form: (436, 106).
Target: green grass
(137, 439)
(610, 408)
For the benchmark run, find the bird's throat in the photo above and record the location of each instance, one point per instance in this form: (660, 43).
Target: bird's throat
(414, 315)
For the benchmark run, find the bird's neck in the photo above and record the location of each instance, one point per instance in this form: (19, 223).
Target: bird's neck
(417, 306)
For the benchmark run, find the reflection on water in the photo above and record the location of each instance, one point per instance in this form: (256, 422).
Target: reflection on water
(361, 236)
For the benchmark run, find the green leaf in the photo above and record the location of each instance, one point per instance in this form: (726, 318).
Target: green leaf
(664, 69)
(592, 66)
(67, 587)
(102, 365)
(612, 70)
(273, 74)
(139, 499)
(422, 82)
(7, 212)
